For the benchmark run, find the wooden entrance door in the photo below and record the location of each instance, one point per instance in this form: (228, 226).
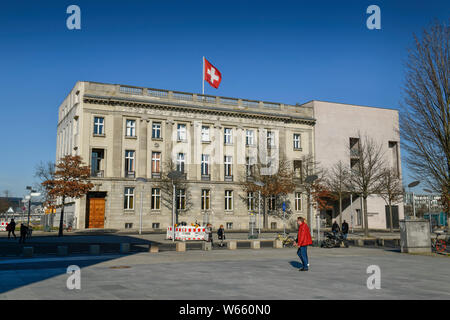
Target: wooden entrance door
(96, 212)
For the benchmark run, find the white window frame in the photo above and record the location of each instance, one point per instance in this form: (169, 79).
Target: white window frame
(156, 160)
(181, 161)
(130, 127)
(181, 195)
(181, 132)
(249, 137)
(156, 199)
(99, 125)
(206, 199)
(228, 166)
(129, 197)
(156, 130)
(251, 201)
(228, 135)
(228, 200)
(129, 160)
(270, 139)
(205, 164)
(298, 201)
(205, 134)
(297, 141)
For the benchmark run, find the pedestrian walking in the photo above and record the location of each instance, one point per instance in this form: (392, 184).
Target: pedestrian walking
(221, 235)
(23, 233)
(11, 228)
(344, 229)
(209, 231)
(303, 241)
(335, 228)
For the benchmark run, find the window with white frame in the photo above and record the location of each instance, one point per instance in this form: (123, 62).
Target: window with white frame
(181, 199)
(180, 162)
(181, 132)
(156, 199)
(99, 123)
(249, 166)
(298, 201)
(206, 197)
(205, 134)
(250, 201)
(270, 139)
(229, 225)
(228, 135)
(156, 130)
(128, 203)
(205, 164)
(131, 128)
(272, 202)
(249, 138)
(228, 200)
(129, 161)
(228, 166)
(156, 162)
(297, 141)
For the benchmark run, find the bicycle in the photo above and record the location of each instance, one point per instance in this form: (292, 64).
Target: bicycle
(438, 245)
(287, 240)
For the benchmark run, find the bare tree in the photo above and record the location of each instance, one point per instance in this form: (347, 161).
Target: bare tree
(366, 171)
(425, 125)
(337, 182)
(391, 190)
(44, 171)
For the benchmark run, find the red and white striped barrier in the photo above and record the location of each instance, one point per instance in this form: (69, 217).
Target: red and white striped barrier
(187, 233)
(3, 225)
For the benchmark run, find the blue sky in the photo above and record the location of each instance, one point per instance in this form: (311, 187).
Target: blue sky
(286, 51)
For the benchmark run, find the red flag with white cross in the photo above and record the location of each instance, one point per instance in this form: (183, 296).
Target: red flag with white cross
(211, 74)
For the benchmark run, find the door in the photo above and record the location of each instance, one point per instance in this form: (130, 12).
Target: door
(394, 217)
(96, 213)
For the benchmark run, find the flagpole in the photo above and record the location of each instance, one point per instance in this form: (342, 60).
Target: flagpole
(203, 76)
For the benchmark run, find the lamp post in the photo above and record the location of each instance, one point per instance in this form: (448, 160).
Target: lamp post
(309, 180)
(174, 175)
(143, 180)
(351, 209)
(259, 184)
(412, 185)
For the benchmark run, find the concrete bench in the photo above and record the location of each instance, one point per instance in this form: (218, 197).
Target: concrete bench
(153, 248)
(232, 244)
(62, 251)
(28, 252)
(181, 246)
(124, 248)
(94, 249)
(206, 246)
(277, 244)
(255, 244)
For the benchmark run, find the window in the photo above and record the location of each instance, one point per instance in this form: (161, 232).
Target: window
(156, 130)
(273, 225)
(228, 200)
(250, 201)
(228, 136)
(99, 125)
(156, 198)
(128, 225)
(181, 132)
(297, 142)
(156, 162)
(131, 128)
(270, 139)
(249, 166)
(205, 134)
(298, 169)
(205, 164)
(249, 137)
(180, 162)
(129, 163)
(229, 225)
(181, 199)
(272, 202)
(228, 166)
(298, 201)
(128, 203)
(97, 158)
(155, 225)
(206, 196)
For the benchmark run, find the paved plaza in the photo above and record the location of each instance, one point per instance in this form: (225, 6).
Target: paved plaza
(224, 274)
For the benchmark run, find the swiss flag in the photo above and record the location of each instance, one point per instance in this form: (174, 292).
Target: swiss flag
(212, 75)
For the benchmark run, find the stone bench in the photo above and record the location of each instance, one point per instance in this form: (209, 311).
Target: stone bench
(206, 246)
(181, 246)
(153, 248)
(255, 244)
(232, 244)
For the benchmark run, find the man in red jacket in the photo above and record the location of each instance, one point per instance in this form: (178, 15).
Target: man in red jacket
(303, 241)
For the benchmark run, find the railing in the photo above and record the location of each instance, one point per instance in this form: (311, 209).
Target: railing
(130, 174)
(156, 175)
(131, 90)
(251, 104)
(158, 93)
(229, 178)
(183, 96)
(206, 177)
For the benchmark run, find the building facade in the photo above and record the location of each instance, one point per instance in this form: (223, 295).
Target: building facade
(128, 135)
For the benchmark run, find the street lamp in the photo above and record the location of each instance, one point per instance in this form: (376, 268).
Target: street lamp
(174, 175)
(309, 180)
(259, 184)
(143, 180)
(412, 185)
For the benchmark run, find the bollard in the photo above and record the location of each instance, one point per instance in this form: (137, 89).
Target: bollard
(277, 244)
(232, 245)
(28, 252)
(206, 246)
(181, 246)
(62, 251)
(94, 249)
(124, 248)
(153, 248)
(255, 244)
(360, 242)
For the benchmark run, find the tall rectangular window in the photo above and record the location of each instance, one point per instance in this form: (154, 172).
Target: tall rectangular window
(298, 165)
(250, 201)
(228, 165)
(206, 197)
(156, 162)
(205, 164)
(298, 201)
(228, 200)
(228, 136)
(156, 130)
(99, 125)
(272, 202)
(181, 132)
(205, 134)
(297, 141)
(128, 203)
(270, 139)
(131, 128)
(156, 198)
(249, 140)
(181, 199)
(249, 166)
(180, 162)
(129, 162)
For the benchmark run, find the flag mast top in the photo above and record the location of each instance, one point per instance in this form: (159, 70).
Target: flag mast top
(203, 76)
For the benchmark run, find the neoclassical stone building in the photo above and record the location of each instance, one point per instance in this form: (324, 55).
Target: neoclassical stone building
(128, 133)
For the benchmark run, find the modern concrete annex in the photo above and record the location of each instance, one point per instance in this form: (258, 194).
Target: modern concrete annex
(125, 132)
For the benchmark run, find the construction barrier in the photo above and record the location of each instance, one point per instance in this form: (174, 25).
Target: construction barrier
(3, 225)
(184, 233)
